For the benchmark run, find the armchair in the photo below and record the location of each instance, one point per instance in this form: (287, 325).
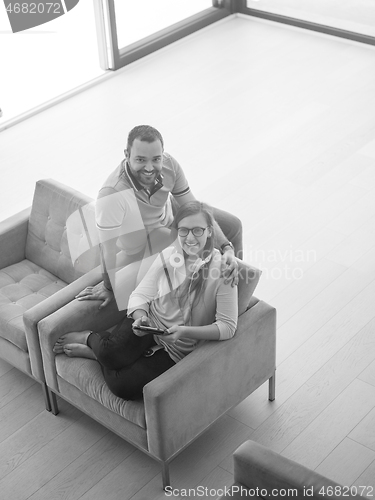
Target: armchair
(176, 407)
(262, 473)
(35, 264)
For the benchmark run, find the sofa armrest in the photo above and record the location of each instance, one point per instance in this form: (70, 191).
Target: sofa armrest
(185, 400)
(45, 308)
(72, 316)
(13, 234)
(258, 467)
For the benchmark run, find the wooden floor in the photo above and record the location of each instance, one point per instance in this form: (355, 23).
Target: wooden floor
(276, 125)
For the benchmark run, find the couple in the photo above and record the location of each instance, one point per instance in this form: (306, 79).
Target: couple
(184, 291)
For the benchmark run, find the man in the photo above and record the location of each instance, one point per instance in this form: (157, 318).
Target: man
(134, 211)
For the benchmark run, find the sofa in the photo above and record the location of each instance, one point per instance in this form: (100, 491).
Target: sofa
(260, 472)
(35, 264)
(48, 255)
(184, 401)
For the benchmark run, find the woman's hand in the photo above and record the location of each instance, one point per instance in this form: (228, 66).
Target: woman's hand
(174, 333)
(143, 320)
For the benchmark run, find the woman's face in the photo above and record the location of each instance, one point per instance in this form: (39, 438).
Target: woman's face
(191, 243)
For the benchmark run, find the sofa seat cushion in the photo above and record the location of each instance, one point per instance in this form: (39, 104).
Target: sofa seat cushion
(86, 375)
(22, 286)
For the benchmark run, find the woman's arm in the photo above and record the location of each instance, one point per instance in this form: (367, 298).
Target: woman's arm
(140, 317)
(147, 289)
(226, 310)
(139, 314)
(225, 323)
(206, 332)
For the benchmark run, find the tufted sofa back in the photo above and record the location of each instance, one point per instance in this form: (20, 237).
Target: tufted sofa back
(47, 241)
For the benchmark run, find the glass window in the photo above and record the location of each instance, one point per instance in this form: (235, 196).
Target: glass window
(357, 16)
(139, 19)
(43, 62)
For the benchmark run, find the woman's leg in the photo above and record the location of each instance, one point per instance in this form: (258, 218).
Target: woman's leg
(121, 354)
(128, 382)
(85, 315)
(120, 347)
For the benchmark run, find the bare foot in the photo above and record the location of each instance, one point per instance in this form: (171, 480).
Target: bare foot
(70, 338)
(78, 351)
(58, 349)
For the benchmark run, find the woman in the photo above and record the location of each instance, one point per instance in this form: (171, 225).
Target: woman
(183, 294)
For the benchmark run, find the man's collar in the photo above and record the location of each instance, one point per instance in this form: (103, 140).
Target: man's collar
(137, 185)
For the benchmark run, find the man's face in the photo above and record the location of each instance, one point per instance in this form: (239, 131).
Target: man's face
(145, 161)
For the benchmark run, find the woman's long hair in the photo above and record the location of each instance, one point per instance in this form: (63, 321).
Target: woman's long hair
(196, 283)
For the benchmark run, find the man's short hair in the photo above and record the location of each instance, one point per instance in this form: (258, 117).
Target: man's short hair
(144, 133)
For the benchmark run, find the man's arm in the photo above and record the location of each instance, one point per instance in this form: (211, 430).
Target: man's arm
(108, 261)
(109, 212)
(104, 290)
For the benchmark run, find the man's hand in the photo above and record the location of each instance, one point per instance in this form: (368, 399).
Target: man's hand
(97, 292)
(229, 267)
(142, 321)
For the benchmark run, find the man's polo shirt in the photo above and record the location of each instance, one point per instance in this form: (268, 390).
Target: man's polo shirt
(124, 208)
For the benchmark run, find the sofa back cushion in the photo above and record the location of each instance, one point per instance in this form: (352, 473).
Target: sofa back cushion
(248, 280)
(47, 240)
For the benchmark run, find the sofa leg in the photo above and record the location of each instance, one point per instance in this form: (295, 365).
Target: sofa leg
(165, 474)
(47, 401)
(272, 387)
(53, 399)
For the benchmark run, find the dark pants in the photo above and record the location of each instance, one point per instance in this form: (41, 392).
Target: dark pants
(121, 355)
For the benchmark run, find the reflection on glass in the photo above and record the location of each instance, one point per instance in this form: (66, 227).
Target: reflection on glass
(139, 19)
(44, 62)
(351, 15)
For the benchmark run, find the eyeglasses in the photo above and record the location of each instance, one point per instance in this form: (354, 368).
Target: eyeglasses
(197, 231)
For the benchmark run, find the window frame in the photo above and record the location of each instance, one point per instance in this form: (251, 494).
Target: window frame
(300, 23)
(113, 57)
